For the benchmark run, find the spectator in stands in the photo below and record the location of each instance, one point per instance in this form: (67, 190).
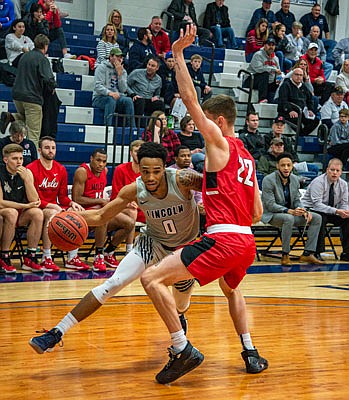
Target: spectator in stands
(51, 183)
(338, 139)
(90, 181)
(328, 196)
(316, 73)
(35, 22)
(194, 140)
(267, 162)
(18, 132)
(158, 132)
(277, 131)
(183, 161)
(256, 38)
(16, 43)
(19, 205)
(203, 91)
(341, 52)
(265, 67)
(282, 207)
(51, 14)
(293, 90)
(263, 12)
(285, 16)
(250, 136)
(296, 41)
(342, 80)
(217, 20)
(141, 50)
(107, 43)
(315, 18)
(122, 38)
(145, 88)
(160, 39)
(169, 89)
(125, 174)
(7, 16)
(330, 110)
(34, 75)
(282, 46)
(110, 87)
(184, 13)
(313, 37)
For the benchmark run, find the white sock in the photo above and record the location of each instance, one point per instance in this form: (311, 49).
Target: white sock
(72, 254)
(46, 253)
(66, 323)
(246, 341)
(179, 341)
(129, 247)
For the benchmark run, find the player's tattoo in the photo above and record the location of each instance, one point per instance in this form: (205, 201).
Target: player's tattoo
(190, 178)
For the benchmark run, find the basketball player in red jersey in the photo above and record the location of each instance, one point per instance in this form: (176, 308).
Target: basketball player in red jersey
(90, 181)
(51, 183)
(125, 174)
(232, 203)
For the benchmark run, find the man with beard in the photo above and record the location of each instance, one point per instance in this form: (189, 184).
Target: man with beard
(283, 208)
(141, 50)
(51, 183)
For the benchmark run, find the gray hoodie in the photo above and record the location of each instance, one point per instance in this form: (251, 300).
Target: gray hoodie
(107, 80)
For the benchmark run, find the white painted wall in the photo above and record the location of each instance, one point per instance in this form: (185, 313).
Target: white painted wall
(139, 12)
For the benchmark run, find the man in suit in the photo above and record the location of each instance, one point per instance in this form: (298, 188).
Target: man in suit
(283, 208)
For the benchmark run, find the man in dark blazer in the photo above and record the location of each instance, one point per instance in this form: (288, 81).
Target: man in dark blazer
(283, 208)
(217, 21)
(184, 13)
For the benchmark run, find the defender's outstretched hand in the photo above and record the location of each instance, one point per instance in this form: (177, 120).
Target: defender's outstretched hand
(185, 39)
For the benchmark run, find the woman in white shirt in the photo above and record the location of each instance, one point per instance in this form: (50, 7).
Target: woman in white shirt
(17, 43)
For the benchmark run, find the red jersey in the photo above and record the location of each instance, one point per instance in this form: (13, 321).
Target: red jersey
(228, 195)
(51, 184)
(124, 175)
(94, 185)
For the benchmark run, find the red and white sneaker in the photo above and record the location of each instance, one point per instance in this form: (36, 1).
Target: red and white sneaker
(6, 267)
(98, 263)
(111, 261)
(30, 264)
(77, 264)
(49, 266)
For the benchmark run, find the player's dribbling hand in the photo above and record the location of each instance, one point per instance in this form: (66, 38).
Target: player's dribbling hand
(185, 38)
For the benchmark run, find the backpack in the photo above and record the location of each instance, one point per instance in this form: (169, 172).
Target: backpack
(8, 74)
(57, 65)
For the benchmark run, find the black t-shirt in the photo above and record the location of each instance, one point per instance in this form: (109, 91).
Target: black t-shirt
(13, 187)
(196, 141)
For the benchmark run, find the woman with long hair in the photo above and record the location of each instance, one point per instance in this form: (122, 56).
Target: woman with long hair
(282, 47)
(256, 38)
(115, 18)
(107, 43)
(157, 131)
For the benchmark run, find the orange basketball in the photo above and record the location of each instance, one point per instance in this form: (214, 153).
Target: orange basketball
(67, 230)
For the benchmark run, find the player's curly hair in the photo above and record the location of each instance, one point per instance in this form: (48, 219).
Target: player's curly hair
(152, 150)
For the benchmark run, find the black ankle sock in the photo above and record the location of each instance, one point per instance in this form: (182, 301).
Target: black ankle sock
(110, 248)
(99, 250)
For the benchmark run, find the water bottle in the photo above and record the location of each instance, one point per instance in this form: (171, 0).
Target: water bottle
(170, 122)
(196, 42)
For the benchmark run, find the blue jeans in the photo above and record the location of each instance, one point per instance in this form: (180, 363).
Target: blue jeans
(220, 33)
(123, 105)
(285, 63)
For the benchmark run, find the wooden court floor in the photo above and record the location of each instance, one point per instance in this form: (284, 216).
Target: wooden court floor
(299, 322)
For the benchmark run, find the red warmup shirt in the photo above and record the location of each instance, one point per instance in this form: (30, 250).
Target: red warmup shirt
(124, 175)
(316, 68)
(94, 185)
(51, 184)
(228, 195)
(161, 42)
